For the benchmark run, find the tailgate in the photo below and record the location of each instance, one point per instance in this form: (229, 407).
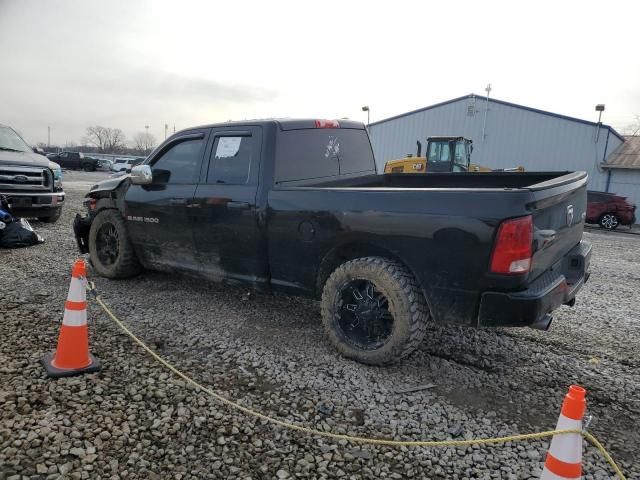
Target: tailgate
(558, 208)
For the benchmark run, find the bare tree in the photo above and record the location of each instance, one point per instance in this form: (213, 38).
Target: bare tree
(106, 139)
(144, 142)
(116, 140)
(632, 128)
(97, 136)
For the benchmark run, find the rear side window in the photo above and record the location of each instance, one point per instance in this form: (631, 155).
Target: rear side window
(322, 152)
(231, 159)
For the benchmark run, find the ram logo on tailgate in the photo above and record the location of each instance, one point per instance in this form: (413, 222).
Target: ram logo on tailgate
(569, 215)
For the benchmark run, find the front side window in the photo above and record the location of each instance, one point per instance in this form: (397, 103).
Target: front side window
(179, 164)
(230, 161)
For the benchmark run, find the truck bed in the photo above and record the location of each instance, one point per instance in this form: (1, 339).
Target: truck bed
(467, 180)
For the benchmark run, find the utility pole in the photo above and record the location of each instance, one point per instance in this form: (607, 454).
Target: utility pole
(166, 128)
(48, 136)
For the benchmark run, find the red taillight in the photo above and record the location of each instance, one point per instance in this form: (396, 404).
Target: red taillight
(327, 124)
(92, 204)
(512, 249)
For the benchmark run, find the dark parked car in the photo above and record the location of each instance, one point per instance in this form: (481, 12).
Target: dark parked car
(609, 210)
(297, 205)
(75, 160)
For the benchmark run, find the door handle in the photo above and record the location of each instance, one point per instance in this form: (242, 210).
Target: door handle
(177, 201)
(239, 205)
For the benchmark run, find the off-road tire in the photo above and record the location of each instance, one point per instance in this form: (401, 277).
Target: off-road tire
(126, 265)
(52, 218)
(406, 304)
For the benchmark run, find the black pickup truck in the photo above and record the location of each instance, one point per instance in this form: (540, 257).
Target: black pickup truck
(297, 205)
(75, 160)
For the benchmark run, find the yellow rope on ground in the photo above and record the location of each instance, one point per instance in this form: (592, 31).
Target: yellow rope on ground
(350, 438)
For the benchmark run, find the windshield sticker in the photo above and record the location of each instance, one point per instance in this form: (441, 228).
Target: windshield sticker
(228, 147)
(333, 147)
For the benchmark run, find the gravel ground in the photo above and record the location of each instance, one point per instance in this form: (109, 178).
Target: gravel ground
(136, 420)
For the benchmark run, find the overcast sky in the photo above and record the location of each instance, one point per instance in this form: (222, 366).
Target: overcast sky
(127, 64)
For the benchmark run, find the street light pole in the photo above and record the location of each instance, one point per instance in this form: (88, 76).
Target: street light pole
(366, 109)
(599, 109)
(48, 136)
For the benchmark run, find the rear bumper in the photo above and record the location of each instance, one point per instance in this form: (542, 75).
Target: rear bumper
(556, 287)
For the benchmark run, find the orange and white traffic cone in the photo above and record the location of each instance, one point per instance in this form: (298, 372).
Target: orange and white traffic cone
(564, 458)
(72, 356)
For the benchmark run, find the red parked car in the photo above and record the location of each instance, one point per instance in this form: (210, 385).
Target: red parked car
(609, 210)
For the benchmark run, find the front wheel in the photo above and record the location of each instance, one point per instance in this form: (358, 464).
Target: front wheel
(373, 310)
(110, 250)
(87, 167)
(609, 221)
(53, 218)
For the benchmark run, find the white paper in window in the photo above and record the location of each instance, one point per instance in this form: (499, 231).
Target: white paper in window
(228, 147)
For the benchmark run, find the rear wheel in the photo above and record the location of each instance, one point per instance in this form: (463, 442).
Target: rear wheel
(111, 252)
(373, 310)
(609, 221)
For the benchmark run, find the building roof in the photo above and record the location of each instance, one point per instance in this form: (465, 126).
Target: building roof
(501, 102)
(627, 155)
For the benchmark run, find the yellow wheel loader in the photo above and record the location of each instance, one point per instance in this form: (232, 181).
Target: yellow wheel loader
(443, 154)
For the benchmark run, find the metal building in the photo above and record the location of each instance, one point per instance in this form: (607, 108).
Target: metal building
(623, 169)
(504, 135)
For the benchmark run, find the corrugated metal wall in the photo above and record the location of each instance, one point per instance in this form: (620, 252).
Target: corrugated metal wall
(627, 184)
(513, 136)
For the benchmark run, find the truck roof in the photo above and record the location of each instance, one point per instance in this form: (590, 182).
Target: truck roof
(287, 123)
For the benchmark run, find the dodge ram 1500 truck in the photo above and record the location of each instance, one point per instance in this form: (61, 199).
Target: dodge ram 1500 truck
(297, 205)
(31, 182)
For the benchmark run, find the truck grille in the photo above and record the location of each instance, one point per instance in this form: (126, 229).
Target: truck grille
(25, 179)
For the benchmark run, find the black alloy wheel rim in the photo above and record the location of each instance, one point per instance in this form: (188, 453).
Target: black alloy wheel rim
(362, 314)
(107, 247)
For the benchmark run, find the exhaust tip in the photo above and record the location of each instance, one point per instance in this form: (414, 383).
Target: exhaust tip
(543, 323)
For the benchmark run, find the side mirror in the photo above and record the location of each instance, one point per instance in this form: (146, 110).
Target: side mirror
(141, 175)
(39, 150)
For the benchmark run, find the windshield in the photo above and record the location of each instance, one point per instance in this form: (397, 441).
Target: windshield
(439, 151)
(10, 140)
